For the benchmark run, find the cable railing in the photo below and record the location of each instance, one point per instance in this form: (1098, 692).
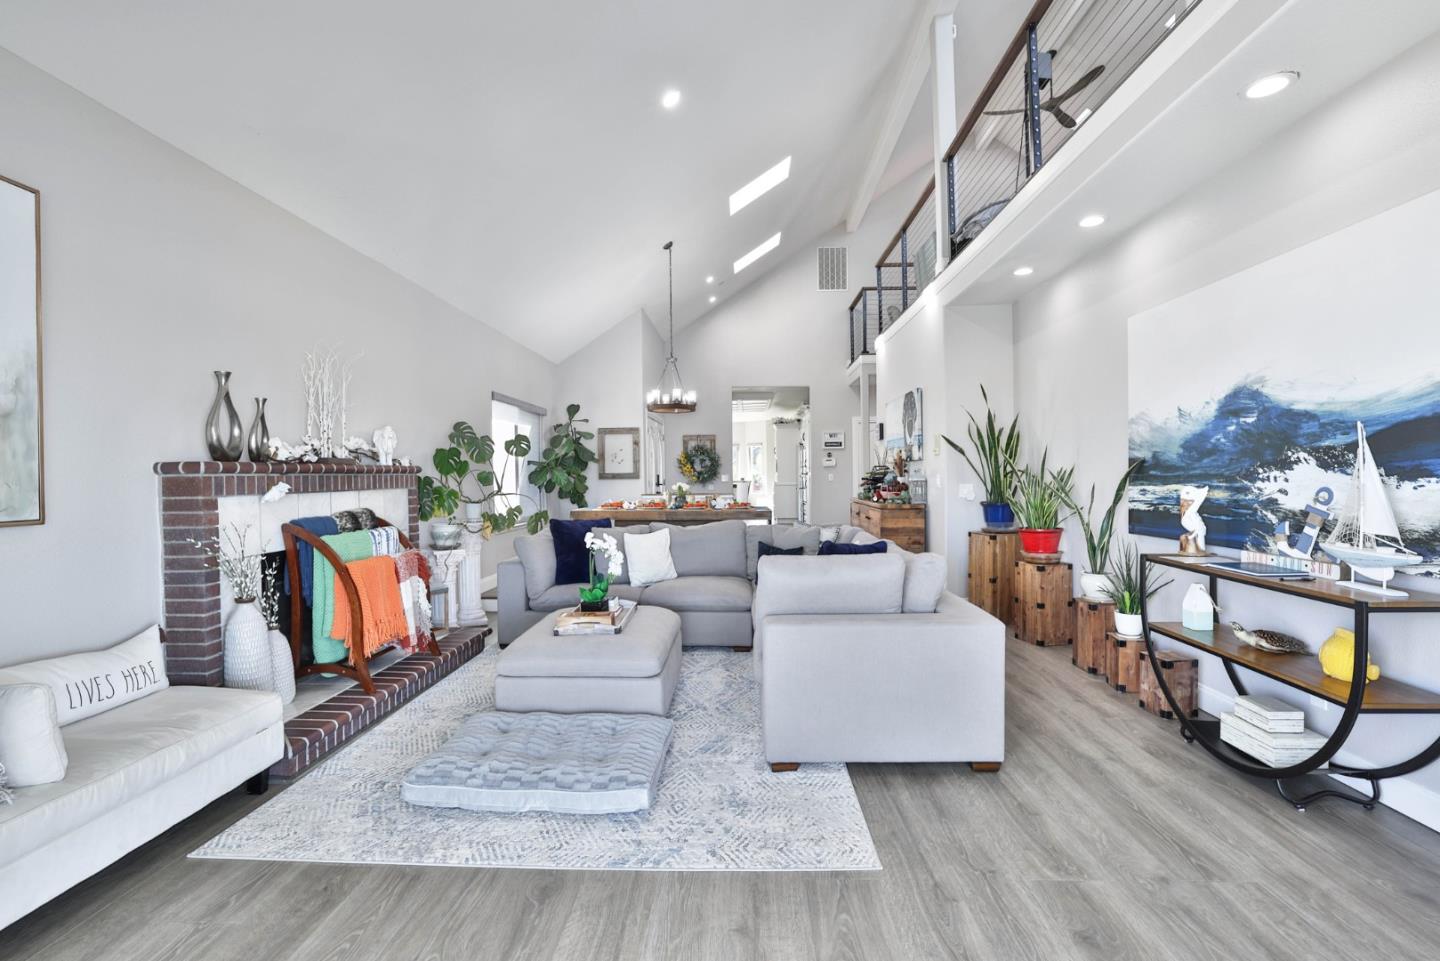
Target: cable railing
(1063, 63)
(1066, 60)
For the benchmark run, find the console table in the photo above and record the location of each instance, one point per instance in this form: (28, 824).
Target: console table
(1385, 696)
(683, 517)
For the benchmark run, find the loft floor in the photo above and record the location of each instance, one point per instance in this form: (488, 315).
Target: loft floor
(1104, 836)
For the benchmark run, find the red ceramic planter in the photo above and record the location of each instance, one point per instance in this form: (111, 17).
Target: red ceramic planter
(1040, 541)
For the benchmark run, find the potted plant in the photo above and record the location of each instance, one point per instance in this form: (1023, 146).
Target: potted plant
(595, 597)
(466, 474)
(996, 450)
(1041, 497)
(679, 495)
(1125, 588)
(1097, 539)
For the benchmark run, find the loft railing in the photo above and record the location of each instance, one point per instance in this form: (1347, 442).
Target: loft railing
(1063, 63)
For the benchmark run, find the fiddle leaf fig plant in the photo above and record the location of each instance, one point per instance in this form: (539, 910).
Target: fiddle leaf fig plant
(565, 459)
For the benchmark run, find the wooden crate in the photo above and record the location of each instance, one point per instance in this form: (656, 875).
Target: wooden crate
(1044, 612)
(1180, 676)
(1093, 622)
(992, 572)
(1122, 664)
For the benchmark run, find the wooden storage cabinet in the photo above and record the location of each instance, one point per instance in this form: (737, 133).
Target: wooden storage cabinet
(1044, 604)
(992, 572)
(902, 523)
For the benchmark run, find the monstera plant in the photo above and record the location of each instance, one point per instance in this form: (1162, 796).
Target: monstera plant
(466, 473)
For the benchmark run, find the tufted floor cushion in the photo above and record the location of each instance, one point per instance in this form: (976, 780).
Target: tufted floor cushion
(562, 763)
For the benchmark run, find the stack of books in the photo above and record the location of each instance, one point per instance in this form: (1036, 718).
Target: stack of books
(612, 621)
(1269, 730)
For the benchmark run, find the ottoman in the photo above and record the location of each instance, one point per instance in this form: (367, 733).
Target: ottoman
(633, 672)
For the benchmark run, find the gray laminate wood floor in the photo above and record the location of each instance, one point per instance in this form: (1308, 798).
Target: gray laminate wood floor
(1105, 836)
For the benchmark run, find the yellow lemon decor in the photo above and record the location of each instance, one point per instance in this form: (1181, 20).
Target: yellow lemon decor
(1337, 657)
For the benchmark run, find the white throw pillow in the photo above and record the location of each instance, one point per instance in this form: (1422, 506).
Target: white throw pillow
(31, 748)
(648, 557)
(94, 682)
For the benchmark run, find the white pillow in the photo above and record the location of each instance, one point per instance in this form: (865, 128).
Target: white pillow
(31, 748)
(94, 682)
(648, 557)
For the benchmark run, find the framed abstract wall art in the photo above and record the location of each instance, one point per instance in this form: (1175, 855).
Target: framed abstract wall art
(1253, 386)
(22, 456)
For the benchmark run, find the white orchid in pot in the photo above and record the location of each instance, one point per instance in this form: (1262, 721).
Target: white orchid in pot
(595, 597)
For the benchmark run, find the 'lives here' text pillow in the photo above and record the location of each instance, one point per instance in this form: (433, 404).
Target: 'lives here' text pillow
(92, 683)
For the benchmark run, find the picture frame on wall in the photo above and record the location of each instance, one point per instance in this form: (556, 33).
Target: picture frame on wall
(705, 440)
(619, 453)
(22, 448)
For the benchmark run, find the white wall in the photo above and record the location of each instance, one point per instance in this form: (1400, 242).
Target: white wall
(158, 270)
(607, 379)
(1371, 150)
(781, 330)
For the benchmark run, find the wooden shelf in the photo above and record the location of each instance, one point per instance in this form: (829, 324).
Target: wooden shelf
(1318, 589)
(1303, 671)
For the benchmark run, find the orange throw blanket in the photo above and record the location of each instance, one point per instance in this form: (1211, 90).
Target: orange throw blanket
(380, 606)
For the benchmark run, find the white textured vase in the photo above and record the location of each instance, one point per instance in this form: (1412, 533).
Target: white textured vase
(1127, 625)
(283, 665)
(1093, 585)
(248, 663)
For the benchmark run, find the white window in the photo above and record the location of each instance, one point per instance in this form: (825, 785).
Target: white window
(509, 417)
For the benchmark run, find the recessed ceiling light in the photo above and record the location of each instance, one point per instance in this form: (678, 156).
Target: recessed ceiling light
(670, 99)
(1024, 271)
(712, 298)
(1092, 220)
(1271, 85)
(758, 187)
(1083, 116)
(710, 279)
(757, 253)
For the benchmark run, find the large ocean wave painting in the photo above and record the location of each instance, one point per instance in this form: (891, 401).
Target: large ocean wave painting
(1253, 386)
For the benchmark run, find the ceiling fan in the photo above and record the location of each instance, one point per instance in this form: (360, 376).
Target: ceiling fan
(1053, 103)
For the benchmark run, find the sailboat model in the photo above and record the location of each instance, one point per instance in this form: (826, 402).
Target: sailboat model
(1366, 536)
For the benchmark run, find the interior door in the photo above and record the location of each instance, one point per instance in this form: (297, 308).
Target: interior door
(654, 476)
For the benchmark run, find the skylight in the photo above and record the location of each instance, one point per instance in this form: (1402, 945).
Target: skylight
(758, 187)
(757, 253)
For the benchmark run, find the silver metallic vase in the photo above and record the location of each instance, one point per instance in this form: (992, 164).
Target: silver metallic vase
(257, 443)
(225, 442)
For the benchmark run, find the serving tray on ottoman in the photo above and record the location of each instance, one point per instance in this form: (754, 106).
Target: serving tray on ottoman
(561, 763)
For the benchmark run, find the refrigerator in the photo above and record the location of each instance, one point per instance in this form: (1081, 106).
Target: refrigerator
(786, 471)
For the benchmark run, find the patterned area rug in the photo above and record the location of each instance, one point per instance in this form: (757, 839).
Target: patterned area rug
(718, 806)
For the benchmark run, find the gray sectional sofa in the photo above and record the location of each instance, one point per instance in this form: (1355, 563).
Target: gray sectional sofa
(713, 593)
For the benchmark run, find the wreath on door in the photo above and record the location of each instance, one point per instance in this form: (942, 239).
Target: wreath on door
(699, 463)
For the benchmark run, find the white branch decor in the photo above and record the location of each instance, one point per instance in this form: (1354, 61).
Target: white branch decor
(236, 564)
(327, 398)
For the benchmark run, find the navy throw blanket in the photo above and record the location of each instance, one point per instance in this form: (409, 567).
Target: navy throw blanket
(320, 526)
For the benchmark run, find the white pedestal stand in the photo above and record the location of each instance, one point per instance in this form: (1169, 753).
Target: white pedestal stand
(445, 568)
(471, 609)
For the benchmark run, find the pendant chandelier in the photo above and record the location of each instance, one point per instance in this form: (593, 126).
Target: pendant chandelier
(669, 395)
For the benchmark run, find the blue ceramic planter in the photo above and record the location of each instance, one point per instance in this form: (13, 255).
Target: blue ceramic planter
(998, 515)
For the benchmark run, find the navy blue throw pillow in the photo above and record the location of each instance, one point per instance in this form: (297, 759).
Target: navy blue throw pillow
(765, 547)
(832, 547)
(572, 560)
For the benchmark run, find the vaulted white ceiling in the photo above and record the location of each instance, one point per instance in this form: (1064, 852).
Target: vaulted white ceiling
(512, 158)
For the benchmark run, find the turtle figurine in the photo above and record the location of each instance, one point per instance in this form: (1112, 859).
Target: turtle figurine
(1272, 641)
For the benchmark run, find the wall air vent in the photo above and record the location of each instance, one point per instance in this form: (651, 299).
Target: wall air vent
(833, 269)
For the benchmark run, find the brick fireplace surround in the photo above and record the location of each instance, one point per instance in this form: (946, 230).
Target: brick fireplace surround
(195, 499)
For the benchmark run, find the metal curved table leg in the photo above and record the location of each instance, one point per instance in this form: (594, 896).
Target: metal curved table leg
(1366, 802)
(1192, 732)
